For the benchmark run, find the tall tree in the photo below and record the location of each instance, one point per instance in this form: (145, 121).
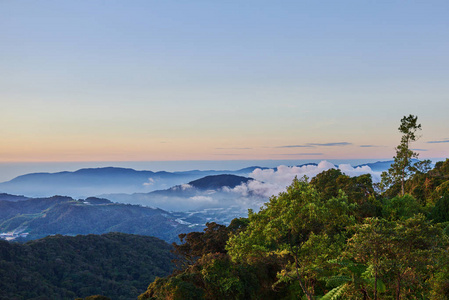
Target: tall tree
(402, 166)
(299, 228)
(401, 253)
(370, 246)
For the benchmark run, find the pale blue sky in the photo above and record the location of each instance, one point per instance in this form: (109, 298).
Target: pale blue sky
(179, 80)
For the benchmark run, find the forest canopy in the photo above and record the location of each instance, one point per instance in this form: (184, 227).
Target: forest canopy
(116, 265)
(331, 237)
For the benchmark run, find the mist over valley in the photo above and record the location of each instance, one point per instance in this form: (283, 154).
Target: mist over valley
(138, 202)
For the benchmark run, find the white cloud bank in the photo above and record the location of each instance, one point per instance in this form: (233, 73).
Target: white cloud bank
(270, 182)
(252, 194)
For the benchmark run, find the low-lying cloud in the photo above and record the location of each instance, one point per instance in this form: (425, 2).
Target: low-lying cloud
(150, 182)
(252, 194)
(202, 199)
(270, 182)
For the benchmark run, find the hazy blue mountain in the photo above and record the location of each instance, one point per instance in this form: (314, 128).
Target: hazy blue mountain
(203, 173)
(109, 180)
(214, 191)
(97, 181)
(377, 166)
(214, 182)
(380, 166)
(87, 182)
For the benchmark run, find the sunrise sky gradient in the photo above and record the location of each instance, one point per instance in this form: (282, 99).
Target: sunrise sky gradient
(216, 80)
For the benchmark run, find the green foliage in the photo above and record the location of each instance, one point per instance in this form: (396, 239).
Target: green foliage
(359, 190)
(301, 229)
(439, 282)
(428, 187)
(174, 287)
(352, 278)
(212, 240)
(335, 293)
(116, 265)
(440, 212)
(400, 252)
(326, 183)
(221, 278)
(315, 242)
(441, 170)
(215, 276)
(211, 274)
(401, 207)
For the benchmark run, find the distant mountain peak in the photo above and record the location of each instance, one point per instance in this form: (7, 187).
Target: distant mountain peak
(214, 182)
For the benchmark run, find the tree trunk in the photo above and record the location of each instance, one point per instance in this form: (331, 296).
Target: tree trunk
(303, 286)
(403, 178)
(406, 163)
(398, 288)
(365, 296)
(402, 184)
(375, 279)
(375, 283)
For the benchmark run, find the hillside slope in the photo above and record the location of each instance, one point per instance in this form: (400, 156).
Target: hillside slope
(38, 218)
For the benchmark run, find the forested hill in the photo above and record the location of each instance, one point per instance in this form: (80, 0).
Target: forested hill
(116, 265)
(214, 182)
(37, 218)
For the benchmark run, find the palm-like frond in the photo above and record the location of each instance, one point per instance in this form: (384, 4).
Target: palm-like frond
(335, 293)
(337, 280)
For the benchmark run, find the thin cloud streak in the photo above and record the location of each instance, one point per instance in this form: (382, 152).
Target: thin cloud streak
(438, 142)
(233, 148)
(313, 145)
(331, 144)
(296, 146)
(301, 154)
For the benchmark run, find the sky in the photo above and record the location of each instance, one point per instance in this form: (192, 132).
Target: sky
(111, 80)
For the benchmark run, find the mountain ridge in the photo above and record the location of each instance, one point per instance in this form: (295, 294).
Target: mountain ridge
(97, 181)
